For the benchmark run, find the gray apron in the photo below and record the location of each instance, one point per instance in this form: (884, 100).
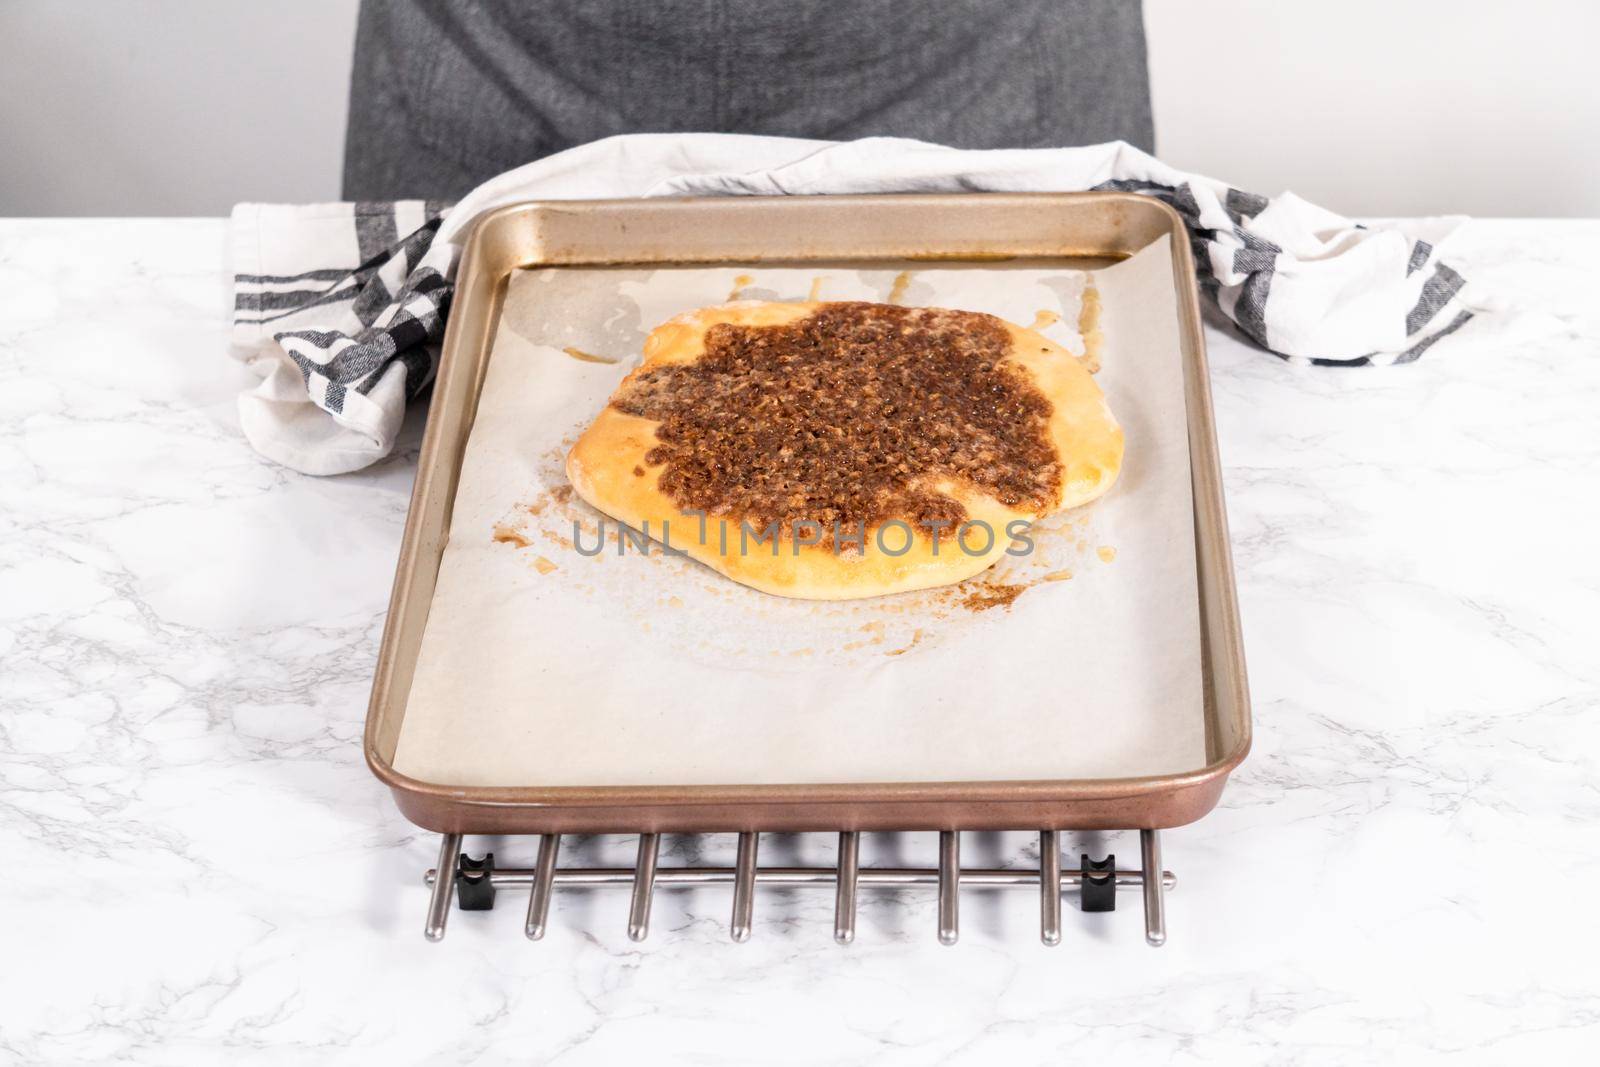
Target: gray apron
(445, 95)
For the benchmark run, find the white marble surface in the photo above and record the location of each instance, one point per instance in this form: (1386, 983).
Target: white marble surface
(197, 867)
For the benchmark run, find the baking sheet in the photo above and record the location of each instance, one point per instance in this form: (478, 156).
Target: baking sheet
(543, 666)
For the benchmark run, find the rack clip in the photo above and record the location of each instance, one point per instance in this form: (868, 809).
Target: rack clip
(475, 882)
(1099, 885)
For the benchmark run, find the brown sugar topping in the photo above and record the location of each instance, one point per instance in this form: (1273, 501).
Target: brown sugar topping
(848, 417)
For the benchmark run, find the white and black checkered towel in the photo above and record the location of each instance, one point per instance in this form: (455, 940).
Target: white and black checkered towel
(341, 307)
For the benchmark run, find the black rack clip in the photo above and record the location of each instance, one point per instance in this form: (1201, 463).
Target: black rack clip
(1099, 884)
(475, 882)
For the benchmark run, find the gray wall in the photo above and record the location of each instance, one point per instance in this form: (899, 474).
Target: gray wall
(1371, 107)
(1385, 107)
(170, 107)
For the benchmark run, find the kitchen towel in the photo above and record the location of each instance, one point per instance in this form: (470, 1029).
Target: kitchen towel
(340, 308)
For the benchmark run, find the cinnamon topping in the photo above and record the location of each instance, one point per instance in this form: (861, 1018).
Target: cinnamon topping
(848, 417)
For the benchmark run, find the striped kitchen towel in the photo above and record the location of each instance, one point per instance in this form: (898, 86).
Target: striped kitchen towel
(341, 307)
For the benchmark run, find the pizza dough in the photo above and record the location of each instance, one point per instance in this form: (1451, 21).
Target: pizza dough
(832, 451)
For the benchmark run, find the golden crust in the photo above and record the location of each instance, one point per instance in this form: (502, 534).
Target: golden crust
(602, 466)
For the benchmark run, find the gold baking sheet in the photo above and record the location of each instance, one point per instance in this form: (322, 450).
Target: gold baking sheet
(958, 230)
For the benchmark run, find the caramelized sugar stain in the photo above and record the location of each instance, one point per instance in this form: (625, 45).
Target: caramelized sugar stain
(588, 357)
(1094, 338)
(916, 639)
(510, 536)
(993, 595)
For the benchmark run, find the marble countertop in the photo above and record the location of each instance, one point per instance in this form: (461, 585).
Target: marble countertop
(197, 867)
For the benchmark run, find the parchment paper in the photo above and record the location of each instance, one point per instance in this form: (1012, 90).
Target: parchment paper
(543, 666)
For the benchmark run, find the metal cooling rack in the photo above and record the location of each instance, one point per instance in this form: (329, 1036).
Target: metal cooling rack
(475, 882)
